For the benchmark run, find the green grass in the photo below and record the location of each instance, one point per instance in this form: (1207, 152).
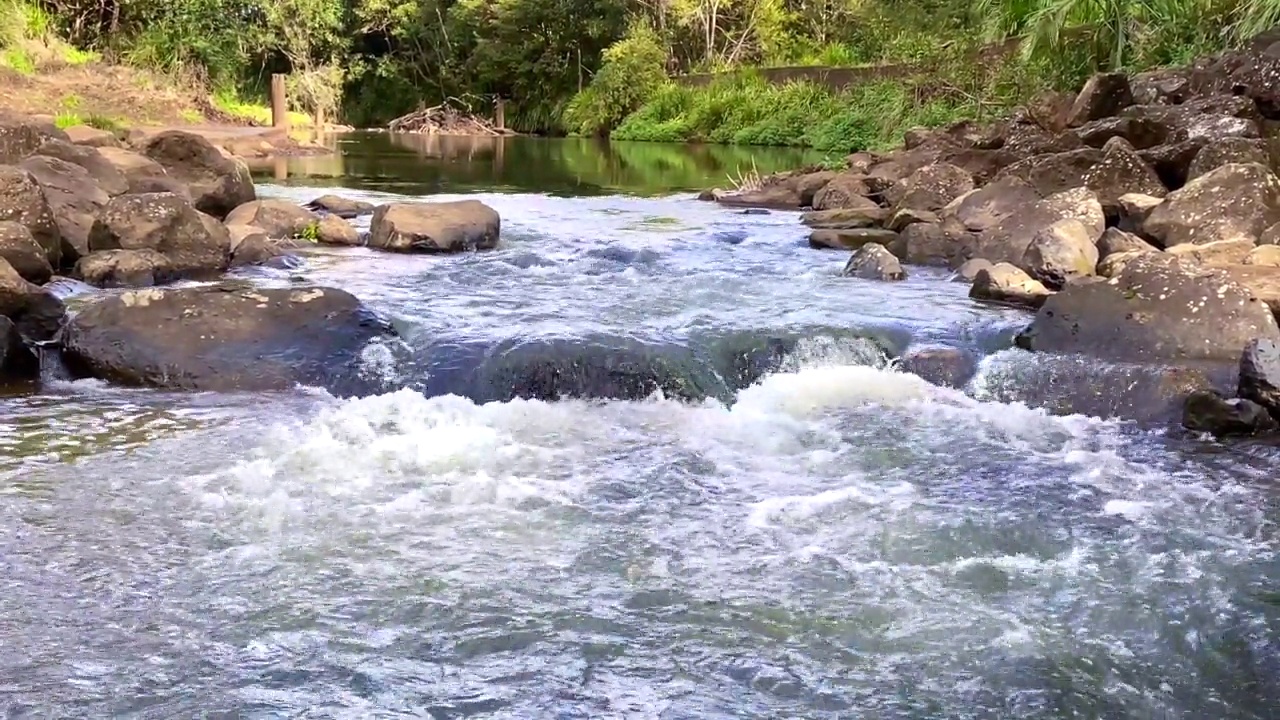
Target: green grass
(67, 118)
(231, 103)
(18, 60)
(191, 116)
(76, 57)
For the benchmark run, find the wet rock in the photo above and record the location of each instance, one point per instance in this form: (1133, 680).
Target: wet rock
(942, 245)
(874, 262)
(91, 136)
(345, 208)
(968, 272)
(124, 268)
(850, 238)
(1208, 411)
(1115, 240)
(942, 366)
(845, 190)
(23, 253)
(217, 183)
(23, 201)
(866, 215)
(277, 218)
(333, 230)
(435, 227)
(756, 211)
(901, 219)
(1227, 151)
(21, 136)
(17, 360)
(1103, 95)
(988, 205)
(194, 244)
(1264, 255)
(1215, 254)
(1008, 239)
(1260, 374)
(257, 249)
(1158, 308)
(1061, 252)
(1008, 284)
(105, 173)
(74, 198)
(225, 338)
(36, 313)
(930, 188)
(1234, 201)
(1133, 209)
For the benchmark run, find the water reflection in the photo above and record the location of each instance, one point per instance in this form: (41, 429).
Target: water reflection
(421, 164)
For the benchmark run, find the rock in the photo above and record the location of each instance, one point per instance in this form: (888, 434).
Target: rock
(23, 201)
(1262, 282)
(905, 217)
(782, 196)
(36, 313)
(1260, 374)
(1115, 240)
(1055, 173)
(435, 227)
(104, 172)
(74, 199)
(1061, 252)
(1007, 240)
(943, 366)
(348, 209)
(809, 184)
(1234, 201)
(225, 338)
(277, 218)
(1264, 255)
(91, 136)
(1172, 162)
(239, 233)
(942, 245)
(1214, 254)
(1158, 308)
(257, 249)
(1103, 95)
(168, 224)
(1121, 172)
(17, 360)
(988, 205)
(929, 188)
(1209, 412)
(21, 136)
(968, 272)
(1226, 151)
(217, 183)
(23, 253)
(143, 174)
(867, 214)
(1006, 283)
(1115, 263)
(1159, 87)
(850, 238)
(1141, 133)
(1133, 210)
(708, 195)
(333, 230)
(1027, 138)
(874, 262)
(983, 165)
(845, 190)
(1210, 118)
(860, 162)
(124, 268)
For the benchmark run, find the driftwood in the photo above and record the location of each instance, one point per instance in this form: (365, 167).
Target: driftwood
(445, 119)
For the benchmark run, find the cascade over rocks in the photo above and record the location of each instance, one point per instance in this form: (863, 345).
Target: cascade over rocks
(194, 244)
(1234, 201)
(74, 199)
(226, 337)
(23, 253)
(218, 184)
(873, 262)
(435, 227)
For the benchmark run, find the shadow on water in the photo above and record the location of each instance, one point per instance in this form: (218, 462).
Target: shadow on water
(425, 164)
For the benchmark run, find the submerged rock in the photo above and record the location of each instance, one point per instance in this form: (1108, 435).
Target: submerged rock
(225, 337)
(1208, 411)
(435, 227)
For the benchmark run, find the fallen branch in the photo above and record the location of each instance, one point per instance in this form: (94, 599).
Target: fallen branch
(444, 119)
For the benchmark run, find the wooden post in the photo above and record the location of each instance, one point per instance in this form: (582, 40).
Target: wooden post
(279, 108)
(317, 129)
(500, 113)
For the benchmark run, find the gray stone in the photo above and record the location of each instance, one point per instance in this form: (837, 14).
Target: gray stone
(1063, 251)
(874, 262)
(1207, 411)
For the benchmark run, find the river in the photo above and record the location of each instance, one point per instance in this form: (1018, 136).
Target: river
(831, 538)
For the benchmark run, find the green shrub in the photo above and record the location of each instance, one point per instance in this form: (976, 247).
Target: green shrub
(634, 68)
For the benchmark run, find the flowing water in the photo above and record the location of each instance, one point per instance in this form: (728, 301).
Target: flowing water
(827, 538)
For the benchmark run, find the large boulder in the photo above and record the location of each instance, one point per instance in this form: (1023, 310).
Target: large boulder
(1133, 209)
(1141, 133)
(73, 197)
(850, 238)
(942, 245)
(1226, 151)
(1007, 240)
(35, 312)
(141, 173)
(23, 253)
(124, 268)
(846, 190)
(1115, 240)
(1158, 308)
(1260, 374)
(224, 338)
(218, 184)
(1008, 284)
(91, 136)
(333, 230)
(1121, 172)
(277, 218)
(23, 201)
(435, 227)
(1234, 201)
(1209, 412)
(194, 244)
(1168, 86)
(859, 213)
(104, 172)
(1061, 252)
(1103, 95)
(808, 185)
(873, 262)
(988, 205)
(1218, 253)
(345, 208)
(1054, 173)
(930, 188)
(21, 136)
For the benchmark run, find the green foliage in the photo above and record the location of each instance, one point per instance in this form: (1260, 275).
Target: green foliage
(634, 68)
(18, 60)
(67, 119)
(310, 233)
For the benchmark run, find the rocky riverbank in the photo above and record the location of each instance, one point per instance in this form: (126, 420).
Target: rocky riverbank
(1139, 220)
(173, 206)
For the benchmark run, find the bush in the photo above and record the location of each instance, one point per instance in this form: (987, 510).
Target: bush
(634, 68)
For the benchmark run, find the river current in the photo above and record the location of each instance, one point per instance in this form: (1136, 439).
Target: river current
(833, 538)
